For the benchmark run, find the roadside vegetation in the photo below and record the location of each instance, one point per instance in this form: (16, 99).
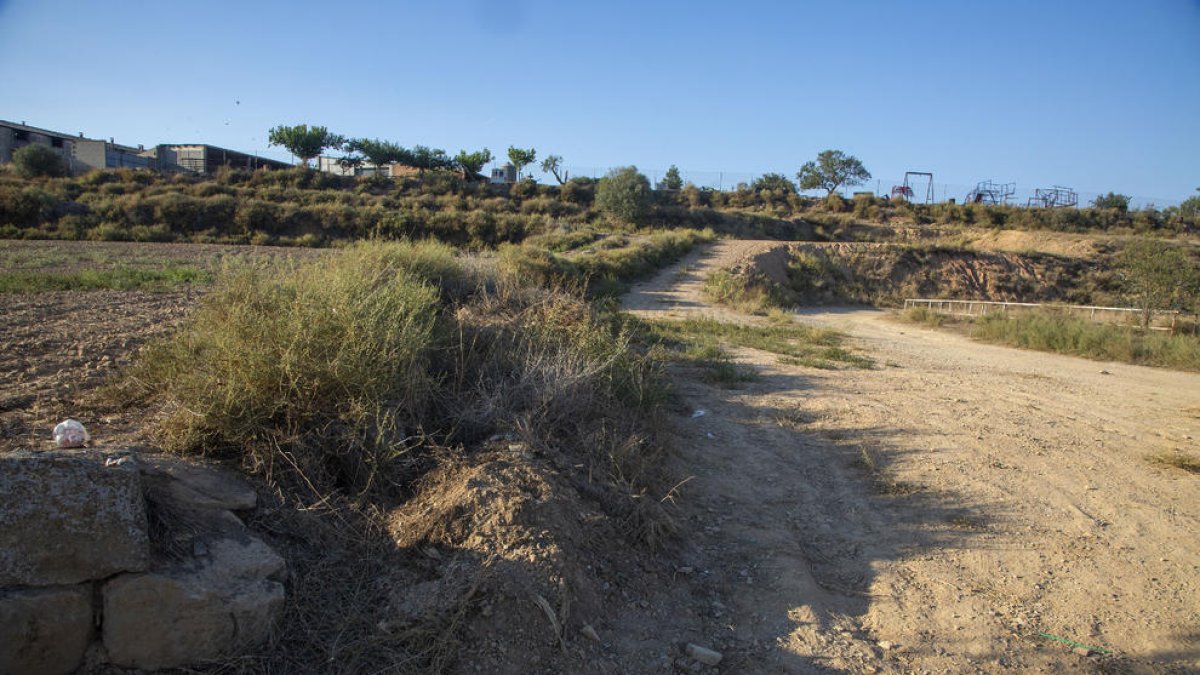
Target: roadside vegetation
(601, 262)
(707, 343)
(1058, 332)
(344, 374)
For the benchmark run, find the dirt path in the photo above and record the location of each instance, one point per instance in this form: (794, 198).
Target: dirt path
(934, 514)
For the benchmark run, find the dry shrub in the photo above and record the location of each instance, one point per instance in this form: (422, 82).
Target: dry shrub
(431, 434)
(343, 374)
(320, 367)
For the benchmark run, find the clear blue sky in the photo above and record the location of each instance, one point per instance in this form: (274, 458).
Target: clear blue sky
(1096, 95)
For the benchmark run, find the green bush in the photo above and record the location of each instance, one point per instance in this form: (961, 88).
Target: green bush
(345, 372)
(624, 196)
(327, 359)
(34, 161)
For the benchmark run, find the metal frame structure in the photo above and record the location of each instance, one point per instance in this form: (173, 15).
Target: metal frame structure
(1054, 197)
(988, 192)
(905, 191)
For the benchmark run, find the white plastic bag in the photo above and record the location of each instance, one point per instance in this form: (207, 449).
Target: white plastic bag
(70, 434)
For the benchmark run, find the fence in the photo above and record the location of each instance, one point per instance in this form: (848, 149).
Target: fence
(1128, 316)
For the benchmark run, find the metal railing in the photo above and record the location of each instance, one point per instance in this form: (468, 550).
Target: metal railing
(1131, 316)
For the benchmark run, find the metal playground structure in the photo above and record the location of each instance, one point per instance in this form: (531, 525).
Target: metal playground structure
(1054, 197)
(988, 192)
(905, 191)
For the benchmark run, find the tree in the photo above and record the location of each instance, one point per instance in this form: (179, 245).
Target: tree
(428, 159)
(832, 170)
(624, 194)
(38, 160)
(1159, 276)
(303, 141)
(521, 158)
(552, 165)
(1112, 200)
(471, 163)
(380, 153)
(773, 181)
(671, 179)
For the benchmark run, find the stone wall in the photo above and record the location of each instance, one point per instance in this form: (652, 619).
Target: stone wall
(82, 577)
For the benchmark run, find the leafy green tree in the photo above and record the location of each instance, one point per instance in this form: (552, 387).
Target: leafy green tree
(429, 159)
(521, 158)
(1112, 200)
(553, 165)
(471, 163)
(624, 195)
(1159, 276)
(832, 170)
(776, 182)
(38, 160)
(671, 179)
(380, 153)
(303, 141)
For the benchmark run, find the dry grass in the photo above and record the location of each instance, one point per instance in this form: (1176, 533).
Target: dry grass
(706, 341)
(1176, 460)
(344, 383)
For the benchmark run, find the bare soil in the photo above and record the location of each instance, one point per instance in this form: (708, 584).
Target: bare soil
(939, 512)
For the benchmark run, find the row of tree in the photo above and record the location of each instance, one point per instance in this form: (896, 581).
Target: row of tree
(307, 143)
(831, 170)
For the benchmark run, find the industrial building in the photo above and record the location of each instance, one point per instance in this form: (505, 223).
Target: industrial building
(206, 159)
(79, 154)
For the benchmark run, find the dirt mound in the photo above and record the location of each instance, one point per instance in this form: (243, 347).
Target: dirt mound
(511, 546)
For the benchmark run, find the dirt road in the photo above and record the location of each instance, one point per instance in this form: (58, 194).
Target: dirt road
(934, 514)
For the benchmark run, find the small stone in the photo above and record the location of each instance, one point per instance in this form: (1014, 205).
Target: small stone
(590, 633)
(703, 654)
(1082, 651)
(886, 645)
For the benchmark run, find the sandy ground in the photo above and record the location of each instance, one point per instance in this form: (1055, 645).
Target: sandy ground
(1005, 493)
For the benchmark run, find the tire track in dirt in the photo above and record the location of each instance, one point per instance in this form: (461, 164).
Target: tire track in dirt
(1020, 502)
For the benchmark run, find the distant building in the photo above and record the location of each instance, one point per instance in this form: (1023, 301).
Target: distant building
(504, 174)
(84, 154)
(79, 154)
(206, 159)
(337, 167)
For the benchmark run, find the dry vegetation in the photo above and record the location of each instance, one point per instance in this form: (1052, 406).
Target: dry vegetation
(378, 392)
(1052, 331)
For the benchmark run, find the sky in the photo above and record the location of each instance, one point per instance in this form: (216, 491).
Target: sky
(1097, 95)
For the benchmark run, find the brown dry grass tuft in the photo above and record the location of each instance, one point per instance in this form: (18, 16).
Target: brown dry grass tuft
(1177, 460)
